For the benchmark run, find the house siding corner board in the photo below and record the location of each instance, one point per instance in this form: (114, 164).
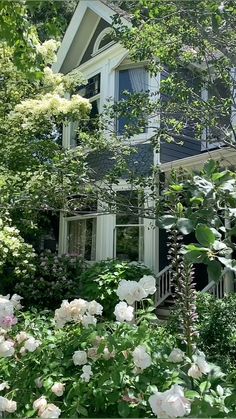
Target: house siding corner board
(140, 162)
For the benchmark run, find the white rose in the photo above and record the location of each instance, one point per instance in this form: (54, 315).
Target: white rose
(95, 308)
(87, 319)
(130, 291)
(11, 406)
(3, 404)
(141, 358)
(58, 389)
(7, 348)
(77, 308)
(87, 373)
(176, 355)
(4, 385)
(15, 299)
(51, 411)
(20, 337)
(170, 403)
(40, 404)
(123, 312)
(148, 283)
(6, 309)
(202, 365)
(79, 358)
(31, 344)
(194, 371)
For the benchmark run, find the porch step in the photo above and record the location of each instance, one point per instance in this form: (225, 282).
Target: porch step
(163, 310)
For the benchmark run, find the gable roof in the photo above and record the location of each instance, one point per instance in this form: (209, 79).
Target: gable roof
(80, 30)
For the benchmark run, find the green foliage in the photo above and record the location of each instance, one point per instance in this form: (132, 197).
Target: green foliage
(55, 278)
(100, 281)
(217, 328)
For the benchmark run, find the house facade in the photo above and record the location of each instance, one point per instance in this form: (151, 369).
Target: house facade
(88, 47)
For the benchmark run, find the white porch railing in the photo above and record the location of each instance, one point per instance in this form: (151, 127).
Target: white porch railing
(163, 284)
(215, 288)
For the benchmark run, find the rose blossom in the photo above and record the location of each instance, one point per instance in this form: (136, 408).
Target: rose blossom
(87, 373)
(6, 348)
(9, 321)
(4, 385)
(40, 404)
(87, 319)
(79, 358)
(31, 344)
(130, 291)
(170, 404)
(7, 405)
(93, 353)
(176, 355)
(58, 389)
(51, 411)
(194, 371)
(123, 312)
(148, 283)
(141, 358)
(94, 308)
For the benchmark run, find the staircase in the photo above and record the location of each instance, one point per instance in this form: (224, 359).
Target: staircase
(164, 301)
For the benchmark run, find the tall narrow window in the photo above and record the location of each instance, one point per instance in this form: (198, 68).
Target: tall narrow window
(82, 238)
(129, 230)
(90, 91)
(133, 80)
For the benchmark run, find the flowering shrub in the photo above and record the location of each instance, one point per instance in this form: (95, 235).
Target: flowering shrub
(16, 256)
(59, 275)
(100, 282)
(115, 369)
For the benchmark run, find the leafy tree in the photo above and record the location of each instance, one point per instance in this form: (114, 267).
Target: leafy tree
(192, 44)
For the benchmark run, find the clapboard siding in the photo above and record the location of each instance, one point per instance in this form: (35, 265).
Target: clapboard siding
(189, 146)
(140, 163)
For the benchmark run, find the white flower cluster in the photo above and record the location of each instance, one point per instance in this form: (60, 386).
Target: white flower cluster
(141, 358)
(170, 404)
(78, 311)
(45, 409)
(199, 366)
(132, 291)
(176, 355)
(7, 308)
(6, 347)
(7, 405)
(50, 105)
(80, 358)
(30, 344)
(48, 51)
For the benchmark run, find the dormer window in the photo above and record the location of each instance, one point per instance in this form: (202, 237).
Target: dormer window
(103, 41)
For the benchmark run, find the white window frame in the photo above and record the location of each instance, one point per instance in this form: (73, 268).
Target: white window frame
(153, 88)
(96, 49)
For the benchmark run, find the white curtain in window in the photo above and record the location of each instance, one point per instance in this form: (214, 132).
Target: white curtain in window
(77, 237)
(138, 79)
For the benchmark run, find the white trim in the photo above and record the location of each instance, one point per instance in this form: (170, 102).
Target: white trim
(96, 49)
(99, 8)
(225, 155)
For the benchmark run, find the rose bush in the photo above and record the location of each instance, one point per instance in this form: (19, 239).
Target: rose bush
(63, 366)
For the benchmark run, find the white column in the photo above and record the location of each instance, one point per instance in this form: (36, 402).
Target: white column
(62, 246)
(105, 234)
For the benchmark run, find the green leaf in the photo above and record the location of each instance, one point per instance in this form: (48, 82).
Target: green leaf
(209, 167)
(195, 256)
(185, 225)
(167, 221)
(214, 270)
(204, 235)
(191, 394)
(204, 386)
(123, 409)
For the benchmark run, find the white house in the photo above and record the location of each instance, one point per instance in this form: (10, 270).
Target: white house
(88, 47)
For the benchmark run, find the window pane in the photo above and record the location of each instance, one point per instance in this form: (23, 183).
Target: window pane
(92, 88)
(88, 126)
(134, 81)
(105, 40)
(130, 243)
(217, 92)
(82, 238)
